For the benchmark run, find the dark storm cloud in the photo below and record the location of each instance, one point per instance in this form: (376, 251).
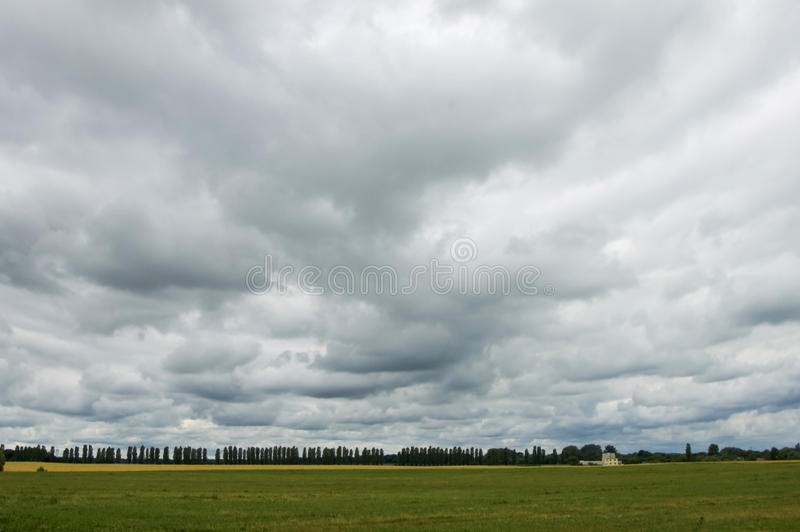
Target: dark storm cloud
(200, 357)
(245, 417)
(414, 348)
(641, 157)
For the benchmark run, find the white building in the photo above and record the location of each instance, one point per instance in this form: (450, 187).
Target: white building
(610, 459)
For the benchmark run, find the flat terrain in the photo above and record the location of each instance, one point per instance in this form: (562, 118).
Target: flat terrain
(736, 496)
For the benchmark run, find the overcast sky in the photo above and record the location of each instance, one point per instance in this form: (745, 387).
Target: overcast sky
(643, 156)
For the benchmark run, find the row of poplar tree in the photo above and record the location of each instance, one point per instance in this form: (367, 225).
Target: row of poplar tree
(341, 455)
(434, 456)
(276, 455)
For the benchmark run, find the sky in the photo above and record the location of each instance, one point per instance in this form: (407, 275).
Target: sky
(631, 169)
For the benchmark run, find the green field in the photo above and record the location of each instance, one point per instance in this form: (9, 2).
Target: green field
(737, 496)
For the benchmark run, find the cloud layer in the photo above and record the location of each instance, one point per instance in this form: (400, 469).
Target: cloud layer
(643, 158)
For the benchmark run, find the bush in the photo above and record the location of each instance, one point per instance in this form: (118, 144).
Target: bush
(41, 469)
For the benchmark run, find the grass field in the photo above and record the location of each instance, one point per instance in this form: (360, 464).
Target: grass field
(736, 496)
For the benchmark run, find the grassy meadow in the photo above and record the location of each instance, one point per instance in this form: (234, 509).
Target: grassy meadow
(688, 496)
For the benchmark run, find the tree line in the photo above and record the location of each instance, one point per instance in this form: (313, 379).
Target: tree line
(442, 456)
(232, 454)
(713, 454)
(407, 456)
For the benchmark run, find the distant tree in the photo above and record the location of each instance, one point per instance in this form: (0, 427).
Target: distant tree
(166, 454)
(570, 455)
(773, 453)
(688, 452)
(2, 459)
(591, 451)
(610, 449)
(217, 458)
(733, 453)
(713, 449)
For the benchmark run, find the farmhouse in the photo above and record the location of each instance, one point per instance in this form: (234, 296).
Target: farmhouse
(609, 459)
